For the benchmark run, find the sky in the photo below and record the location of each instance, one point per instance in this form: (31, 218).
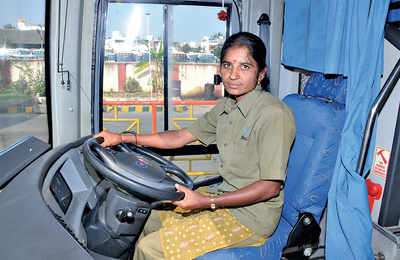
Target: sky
(30, 10)
(191, 23)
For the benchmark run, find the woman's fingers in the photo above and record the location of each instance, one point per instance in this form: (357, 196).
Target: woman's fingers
(110, 138)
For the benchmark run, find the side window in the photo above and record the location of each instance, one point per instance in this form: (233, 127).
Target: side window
(194, 47)
(22, 84)
(138, 69)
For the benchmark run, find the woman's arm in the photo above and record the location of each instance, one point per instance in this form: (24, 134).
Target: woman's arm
(258, 191)
(164, 140)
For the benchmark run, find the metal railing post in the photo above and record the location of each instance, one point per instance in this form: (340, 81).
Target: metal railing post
(154, 118)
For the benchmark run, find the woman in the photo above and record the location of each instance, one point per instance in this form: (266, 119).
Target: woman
(254, 132)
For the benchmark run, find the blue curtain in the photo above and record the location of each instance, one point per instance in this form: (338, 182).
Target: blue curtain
(342, 37)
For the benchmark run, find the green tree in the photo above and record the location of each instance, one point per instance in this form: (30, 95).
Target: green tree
(19, 88)
(186, 48)
(216, 36)
(132, 85)
(33, 78)
(157, 58)
(198, 49)
(5, 75)
(9, 26)
(217, 51)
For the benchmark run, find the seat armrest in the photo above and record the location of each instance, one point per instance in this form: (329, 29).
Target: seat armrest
(207, 182)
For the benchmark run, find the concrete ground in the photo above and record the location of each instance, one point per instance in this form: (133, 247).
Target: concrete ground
(14, 126)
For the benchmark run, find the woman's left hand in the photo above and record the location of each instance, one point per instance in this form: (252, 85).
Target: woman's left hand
(192, 199)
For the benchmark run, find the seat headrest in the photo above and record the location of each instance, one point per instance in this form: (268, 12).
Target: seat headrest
(331, 88)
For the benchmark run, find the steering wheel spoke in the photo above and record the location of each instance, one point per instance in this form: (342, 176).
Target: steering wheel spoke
(137, 170)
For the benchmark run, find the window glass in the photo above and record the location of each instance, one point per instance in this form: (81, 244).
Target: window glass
(133, 68)
(133, 75)
(22, 85)
(195, 40)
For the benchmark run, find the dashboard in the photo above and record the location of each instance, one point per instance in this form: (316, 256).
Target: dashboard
(58, 207)
(69, 191)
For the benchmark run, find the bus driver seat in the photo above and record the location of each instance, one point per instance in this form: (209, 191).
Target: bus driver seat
(319, 115)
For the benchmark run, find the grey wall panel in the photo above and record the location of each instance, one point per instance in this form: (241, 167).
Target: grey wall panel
(65, 105)
(252, 10)
(386, 120)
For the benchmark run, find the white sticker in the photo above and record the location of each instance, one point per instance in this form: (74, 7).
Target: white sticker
(381, 161)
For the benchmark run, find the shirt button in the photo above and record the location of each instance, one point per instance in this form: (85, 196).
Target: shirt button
(221, 165)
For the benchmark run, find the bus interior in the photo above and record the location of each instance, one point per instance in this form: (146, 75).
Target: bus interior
(72, 68)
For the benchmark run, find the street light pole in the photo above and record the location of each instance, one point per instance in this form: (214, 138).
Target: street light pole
(40, 31)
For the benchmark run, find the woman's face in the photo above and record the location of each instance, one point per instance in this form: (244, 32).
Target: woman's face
(239, 71)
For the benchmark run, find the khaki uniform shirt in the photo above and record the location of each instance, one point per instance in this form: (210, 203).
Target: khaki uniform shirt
(254, 138)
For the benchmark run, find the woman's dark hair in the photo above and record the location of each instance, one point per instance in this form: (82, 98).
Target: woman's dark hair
(256, 48)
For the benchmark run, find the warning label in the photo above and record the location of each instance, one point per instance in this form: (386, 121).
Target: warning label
(381, 161)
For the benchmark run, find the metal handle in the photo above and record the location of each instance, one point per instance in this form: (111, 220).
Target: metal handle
(393, 36)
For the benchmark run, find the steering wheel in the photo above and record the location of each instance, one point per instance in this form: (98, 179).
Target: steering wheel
(138, 171)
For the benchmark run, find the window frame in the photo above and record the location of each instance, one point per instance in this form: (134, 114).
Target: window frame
(47, 71)
(98, 52)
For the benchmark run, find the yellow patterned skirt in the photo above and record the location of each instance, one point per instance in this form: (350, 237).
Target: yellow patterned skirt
(187, 235)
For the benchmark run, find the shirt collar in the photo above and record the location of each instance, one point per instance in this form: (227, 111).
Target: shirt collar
(245, 104)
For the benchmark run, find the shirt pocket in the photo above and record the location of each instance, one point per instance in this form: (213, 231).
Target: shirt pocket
(244, 149)
(243, 139)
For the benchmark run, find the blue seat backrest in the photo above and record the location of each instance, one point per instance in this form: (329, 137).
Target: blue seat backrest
(394, 14)
(319, 115)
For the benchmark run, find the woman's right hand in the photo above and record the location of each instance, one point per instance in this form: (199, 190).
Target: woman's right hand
(110, 138)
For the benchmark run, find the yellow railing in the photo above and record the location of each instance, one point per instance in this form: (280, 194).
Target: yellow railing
(207, 157)
(135, 121)
(175, 120)
(190, 118)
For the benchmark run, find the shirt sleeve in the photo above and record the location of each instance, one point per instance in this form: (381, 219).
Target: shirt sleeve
(205, 128)
(274, 139)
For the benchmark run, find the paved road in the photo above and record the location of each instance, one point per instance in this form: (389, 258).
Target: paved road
(15, 126)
